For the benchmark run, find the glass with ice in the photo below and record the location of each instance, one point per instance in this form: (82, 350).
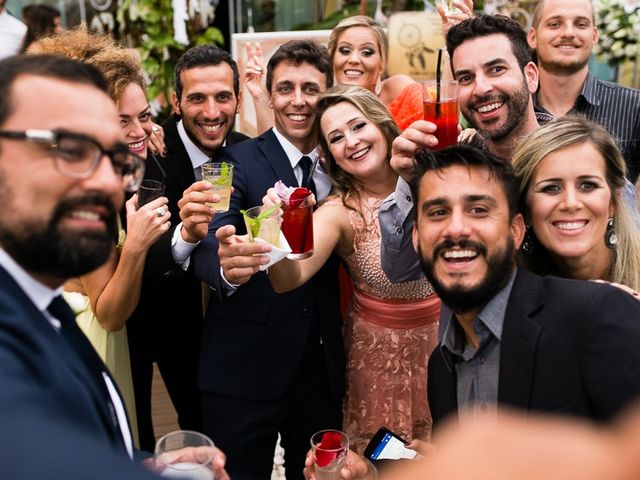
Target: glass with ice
(220, 176)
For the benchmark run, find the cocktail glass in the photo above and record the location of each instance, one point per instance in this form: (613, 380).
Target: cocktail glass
(329, 449)
(442, 109)
(263, 222)
(220, 176)
(148, 191)
(297, 224)
(168, 460)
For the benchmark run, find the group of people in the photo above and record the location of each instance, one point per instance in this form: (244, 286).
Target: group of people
(444, 320)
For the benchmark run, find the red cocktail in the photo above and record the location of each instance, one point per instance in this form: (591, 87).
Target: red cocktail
(297, 224)
(442, 110)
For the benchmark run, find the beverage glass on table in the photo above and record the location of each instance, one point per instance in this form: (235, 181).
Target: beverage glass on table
(329, 449)
(263, 222)
(220, 176)
(442, 109)
(148, 191)
(169, 463)
(297, 223)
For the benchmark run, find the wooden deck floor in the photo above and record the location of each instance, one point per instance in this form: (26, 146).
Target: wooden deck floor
(165, 419)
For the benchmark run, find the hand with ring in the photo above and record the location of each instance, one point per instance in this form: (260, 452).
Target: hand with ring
(156, 141)
(146, 224)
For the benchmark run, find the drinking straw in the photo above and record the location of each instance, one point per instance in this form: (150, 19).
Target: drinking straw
(438, 75)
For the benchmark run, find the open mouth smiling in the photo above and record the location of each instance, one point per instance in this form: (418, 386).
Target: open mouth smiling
(572, 225)
(360, 153)
(459, 256)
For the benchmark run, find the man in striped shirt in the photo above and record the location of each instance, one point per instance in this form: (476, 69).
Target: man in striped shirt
(563, 35)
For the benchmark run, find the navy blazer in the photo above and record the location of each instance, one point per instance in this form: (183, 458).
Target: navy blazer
(54, 421)
(568, 347)
(254, 340)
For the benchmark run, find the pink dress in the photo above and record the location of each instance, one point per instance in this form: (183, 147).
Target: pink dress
(390, 330)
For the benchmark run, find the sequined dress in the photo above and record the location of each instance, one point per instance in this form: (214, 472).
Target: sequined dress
(390, 330)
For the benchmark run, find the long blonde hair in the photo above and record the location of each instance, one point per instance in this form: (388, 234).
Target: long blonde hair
(360, 21)
(565, 132)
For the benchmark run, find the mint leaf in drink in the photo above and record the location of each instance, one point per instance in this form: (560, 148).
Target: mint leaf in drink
(254, 223)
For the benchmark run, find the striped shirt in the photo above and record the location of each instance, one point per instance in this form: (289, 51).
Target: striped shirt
(617, 109)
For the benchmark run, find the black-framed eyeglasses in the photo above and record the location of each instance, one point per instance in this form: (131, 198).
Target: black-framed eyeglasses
(77, 156)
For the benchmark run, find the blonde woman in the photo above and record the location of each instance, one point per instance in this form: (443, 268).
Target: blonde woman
(571, 178)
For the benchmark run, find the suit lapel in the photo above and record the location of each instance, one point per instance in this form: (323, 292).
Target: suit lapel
(441, 387)
(277, 158)
(177, 163)
(519, 341)
(40, 326)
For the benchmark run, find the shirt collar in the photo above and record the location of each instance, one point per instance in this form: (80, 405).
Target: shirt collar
(196, 156)
(492, 316)
(38, 292)
(589, 90)
(292, 152)
(588, 93)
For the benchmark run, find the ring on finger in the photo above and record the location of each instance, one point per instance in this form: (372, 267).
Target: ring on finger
(155, 128)
(160, 211)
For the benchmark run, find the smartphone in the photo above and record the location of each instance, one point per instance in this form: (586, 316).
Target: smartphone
(386, 445)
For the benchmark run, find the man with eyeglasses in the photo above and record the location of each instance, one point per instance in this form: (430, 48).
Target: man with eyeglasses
(64, 167)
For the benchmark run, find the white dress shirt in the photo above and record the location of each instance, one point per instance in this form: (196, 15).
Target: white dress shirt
(12, 32)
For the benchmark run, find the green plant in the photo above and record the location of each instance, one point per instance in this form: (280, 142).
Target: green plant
(619, 26)
(147, 25)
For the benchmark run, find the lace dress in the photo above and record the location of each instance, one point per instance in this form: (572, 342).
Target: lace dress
(390, 330)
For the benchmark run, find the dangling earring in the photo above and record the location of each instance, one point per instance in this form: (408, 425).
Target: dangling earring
(527, 242)
(378, 88)
(610, 235)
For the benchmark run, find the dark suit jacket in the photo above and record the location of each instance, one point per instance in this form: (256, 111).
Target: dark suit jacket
(254, 340)
(170, 299)
(568, 347)
(54, 422)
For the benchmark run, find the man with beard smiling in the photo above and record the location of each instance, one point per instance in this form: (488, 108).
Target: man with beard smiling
(563, 35)
(515, 339)
(491, 61)
(64, 167)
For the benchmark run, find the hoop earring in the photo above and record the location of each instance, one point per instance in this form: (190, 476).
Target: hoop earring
(527, 242)
(610, 235)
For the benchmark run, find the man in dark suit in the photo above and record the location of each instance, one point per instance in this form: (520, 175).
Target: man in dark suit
(166, 326)
(270, 363)
(542, 344)
(515, 339)
(63, 170)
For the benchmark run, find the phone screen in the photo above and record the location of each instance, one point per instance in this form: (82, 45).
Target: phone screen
(391, 448)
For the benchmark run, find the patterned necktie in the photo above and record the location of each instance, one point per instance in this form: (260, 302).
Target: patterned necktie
(305, 164)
